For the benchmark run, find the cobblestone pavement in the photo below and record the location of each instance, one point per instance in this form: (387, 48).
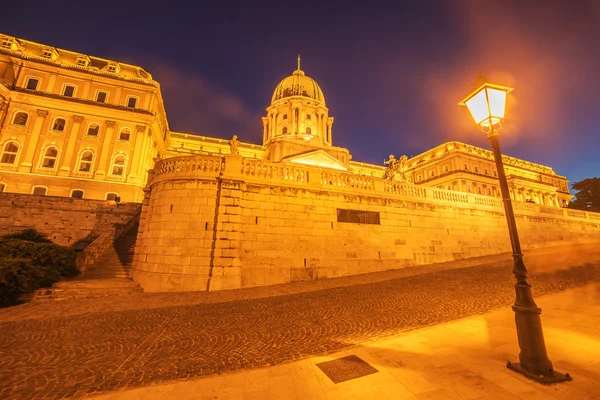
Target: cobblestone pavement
(85, 353)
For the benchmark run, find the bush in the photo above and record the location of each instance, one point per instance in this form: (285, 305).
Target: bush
(17, 276)
(30, 235)
(27, 265)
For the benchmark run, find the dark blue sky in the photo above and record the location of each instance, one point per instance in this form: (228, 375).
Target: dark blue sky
(392, 73)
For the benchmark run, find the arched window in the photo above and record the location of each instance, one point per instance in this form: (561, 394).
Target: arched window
(284, 130)
(20, 118)
(59, 124)
(465, 167)
(50, 157)
(476, 168)
(77, 193)
(112, 196)
(9, 153)
(478, 189)
(85, 163)
(432, 173)
(308, 131)
(125, 134)
(448, 187)
(419, 178)
(93, 129)
(469, 189)
(445, 168)
(39, 190)
(118, 165)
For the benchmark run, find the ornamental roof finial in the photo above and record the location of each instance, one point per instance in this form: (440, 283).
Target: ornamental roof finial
(298, 62)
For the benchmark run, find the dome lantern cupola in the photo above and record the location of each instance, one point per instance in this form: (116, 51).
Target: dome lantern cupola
(298, 84)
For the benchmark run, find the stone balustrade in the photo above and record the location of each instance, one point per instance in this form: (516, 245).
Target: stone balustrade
(256, 171)
(348, 181)
(199, 166)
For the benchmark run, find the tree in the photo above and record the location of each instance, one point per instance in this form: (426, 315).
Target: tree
(587, 197)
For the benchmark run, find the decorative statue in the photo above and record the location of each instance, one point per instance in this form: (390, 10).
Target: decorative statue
(394, 167)
(234, 144)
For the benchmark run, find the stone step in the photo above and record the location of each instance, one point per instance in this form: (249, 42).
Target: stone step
(86, 288)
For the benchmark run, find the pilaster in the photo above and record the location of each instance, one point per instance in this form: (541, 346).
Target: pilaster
(140, 136)
(106, 143)
(65, 168)
(33, 141)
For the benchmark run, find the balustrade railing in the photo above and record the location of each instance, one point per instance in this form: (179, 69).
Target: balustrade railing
(488, 201)
(359, 182)
(576, 213)
(264, 170)
(447, 195)
(204, 165)
(189, 165)
(404, 189)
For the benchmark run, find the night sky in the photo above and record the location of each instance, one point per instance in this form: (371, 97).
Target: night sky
(392, 73)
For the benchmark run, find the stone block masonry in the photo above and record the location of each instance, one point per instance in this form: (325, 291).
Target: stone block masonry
(66, 221)
(215, 223)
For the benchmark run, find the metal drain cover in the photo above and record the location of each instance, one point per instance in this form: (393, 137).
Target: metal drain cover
(346, 368)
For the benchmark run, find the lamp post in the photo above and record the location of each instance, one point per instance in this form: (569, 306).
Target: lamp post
(487, 104)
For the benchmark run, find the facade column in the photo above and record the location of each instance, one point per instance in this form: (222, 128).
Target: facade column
(141, 168)
(33, 141)
(265, 122)
(293, 120)
(272, 132)
(329, 124)
(65, 168)
(101, 171)
(3, 111)
(137, 152)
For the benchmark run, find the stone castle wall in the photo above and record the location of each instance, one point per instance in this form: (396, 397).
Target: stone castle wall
(224, 223)
(66, 221)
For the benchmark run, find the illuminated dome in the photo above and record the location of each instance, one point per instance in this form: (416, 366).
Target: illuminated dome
(298, 84)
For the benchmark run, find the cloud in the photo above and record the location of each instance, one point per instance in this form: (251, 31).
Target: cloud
(196, 105)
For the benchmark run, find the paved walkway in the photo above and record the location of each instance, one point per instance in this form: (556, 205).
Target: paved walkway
(80, 347)
(463, 359)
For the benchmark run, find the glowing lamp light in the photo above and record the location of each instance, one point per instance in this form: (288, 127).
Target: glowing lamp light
(486, 104)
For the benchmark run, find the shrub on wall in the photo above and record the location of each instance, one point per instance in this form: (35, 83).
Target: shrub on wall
(29, 261)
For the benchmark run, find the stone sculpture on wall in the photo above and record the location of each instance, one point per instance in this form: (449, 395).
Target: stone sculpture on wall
(395, 167)
(234, 143)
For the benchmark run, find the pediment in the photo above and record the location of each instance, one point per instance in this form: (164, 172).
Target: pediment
(317, 158)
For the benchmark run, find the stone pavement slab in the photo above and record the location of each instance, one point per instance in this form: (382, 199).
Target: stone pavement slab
(74, 348)
(463, 359)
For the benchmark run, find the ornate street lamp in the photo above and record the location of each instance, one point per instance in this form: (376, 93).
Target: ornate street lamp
(486, 105)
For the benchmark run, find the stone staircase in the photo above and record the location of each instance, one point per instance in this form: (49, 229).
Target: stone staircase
(108, 276)
(116, 262)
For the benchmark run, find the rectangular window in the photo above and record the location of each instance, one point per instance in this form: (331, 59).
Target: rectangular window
(82, 62)
(7, 44)
(32, 83)
(101, 97)
(132, 102)
(112, 69)
(47, 54)
(69, 90)
(39, 191)
(358, 216)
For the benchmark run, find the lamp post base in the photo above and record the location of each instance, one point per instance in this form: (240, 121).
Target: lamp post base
(556, 377)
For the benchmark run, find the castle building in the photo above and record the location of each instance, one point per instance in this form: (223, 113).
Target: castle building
(82, 126)
(76, 125)
(218, 214)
